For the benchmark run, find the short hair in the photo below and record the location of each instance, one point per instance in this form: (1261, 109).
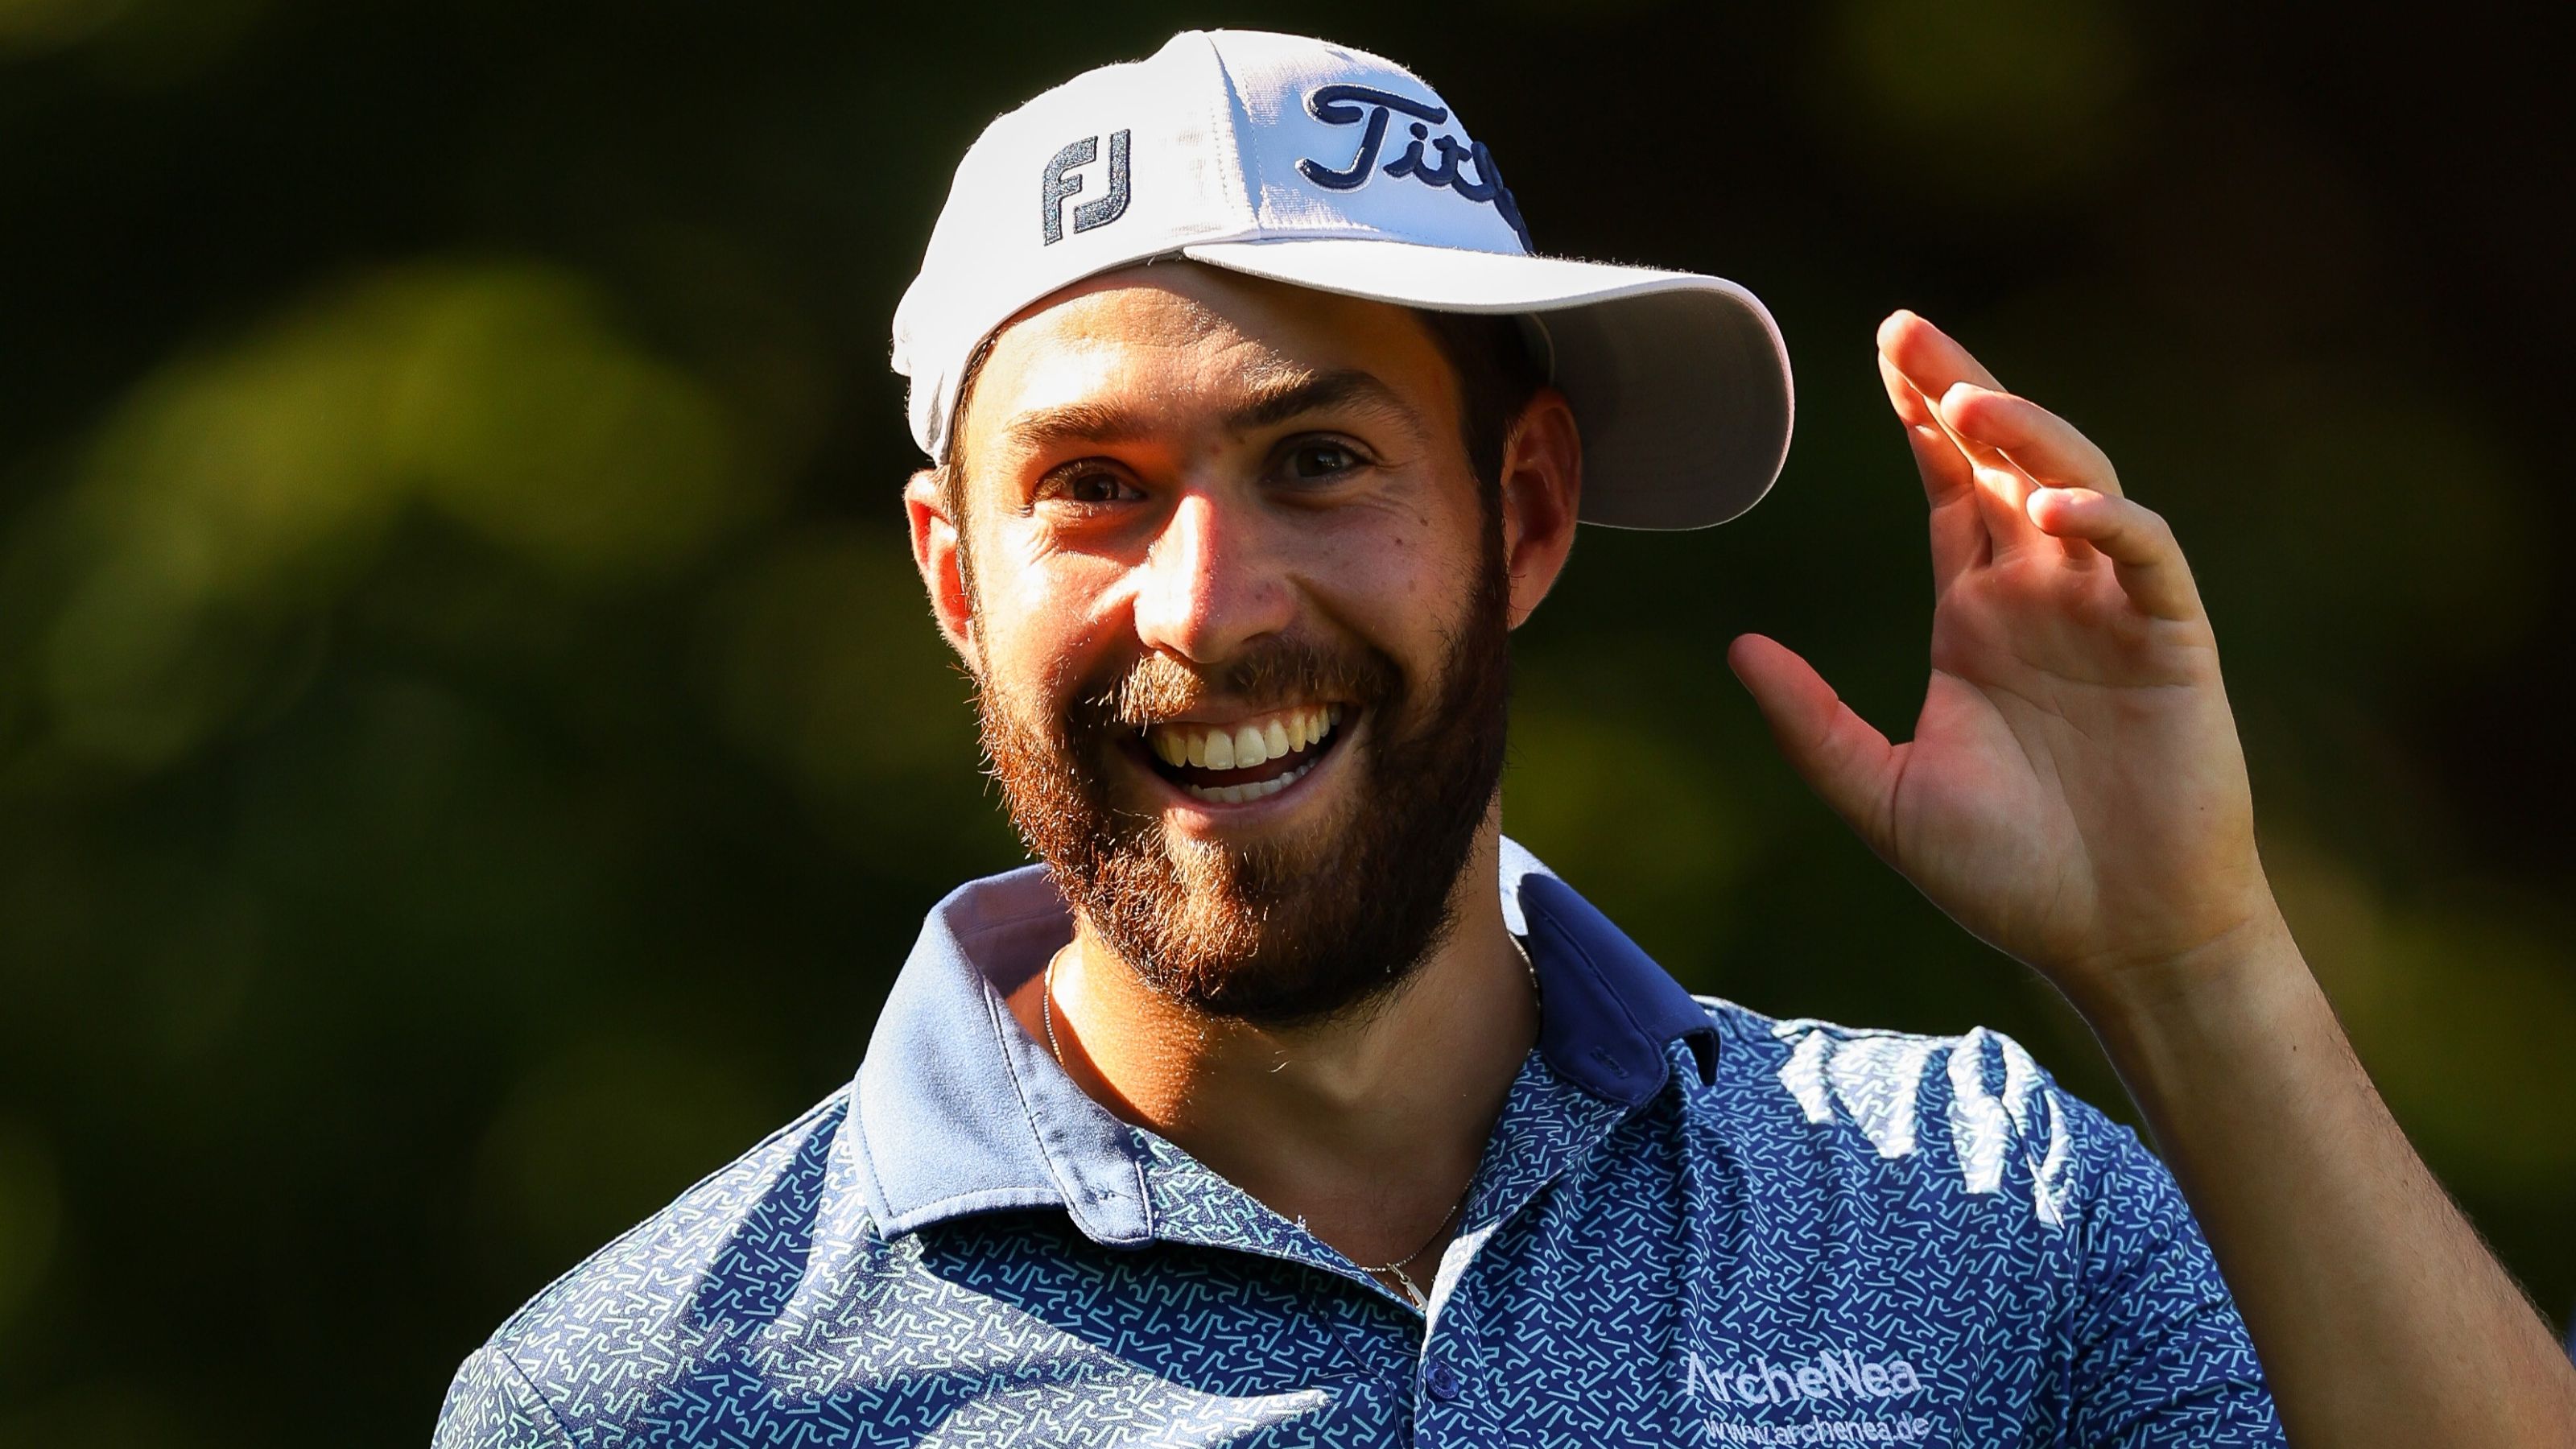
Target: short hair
(1488, 353)
(1497, 377)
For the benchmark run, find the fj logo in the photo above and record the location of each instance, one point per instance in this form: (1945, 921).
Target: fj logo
(1062, 183)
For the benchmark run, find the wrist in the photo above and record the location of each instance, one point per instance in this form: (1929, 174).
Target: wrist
(2249, 979)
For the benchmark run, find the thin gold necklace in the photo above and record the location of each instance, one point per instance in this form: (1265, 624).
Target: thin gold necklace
(1412, 1290)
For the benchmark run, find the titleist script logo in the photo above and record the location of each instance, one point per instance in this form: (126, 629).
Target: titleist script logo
(1828, 1376)
(1443, 163)
(1060, 183)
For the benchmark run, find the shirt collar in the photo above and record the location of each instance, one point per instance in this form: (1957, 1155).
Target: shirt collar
(958, 1111)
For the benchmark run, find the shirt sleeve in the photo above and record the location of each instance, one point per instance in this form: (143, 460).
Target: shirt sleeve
(2160, 1355)
(490, 1405)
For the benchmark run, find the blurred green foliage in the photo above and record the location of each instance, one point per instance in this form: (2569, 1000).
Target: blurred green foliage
(472, 751)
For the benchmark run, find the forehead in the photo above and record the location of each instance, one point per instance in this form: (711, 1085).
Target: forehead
(1181, 343)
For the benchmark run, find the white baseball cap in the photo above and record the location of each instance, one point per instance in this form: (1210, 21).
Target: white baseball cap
(1325, 167)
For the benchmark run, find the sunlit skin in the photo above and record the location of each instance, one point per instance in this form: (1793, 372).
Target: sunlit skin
(1126, 493)
(2074, 793)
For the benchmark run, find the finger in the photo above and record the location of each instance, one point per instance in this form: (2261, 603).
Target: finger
(1929, 357)
(1989, 421)
(2047, 447)
(1946, 470)
(1933, 364)
(2140, 544)
(1949, 481)
(2002, 491)
(1846, 762)
(1906, 356)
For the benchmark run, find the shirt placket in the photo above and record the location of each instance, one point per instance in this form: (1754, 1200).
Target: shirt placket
(1437, 1381)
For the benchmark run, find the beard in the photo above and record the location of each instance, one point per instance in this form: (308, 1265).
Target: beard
(1326, 920)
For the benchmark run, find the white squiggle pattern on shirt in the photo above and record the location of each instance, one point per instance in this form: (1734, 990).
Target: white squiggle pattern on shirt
(1876, 1080)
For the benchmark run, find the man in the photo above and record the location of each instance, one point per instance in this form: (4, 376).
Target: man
(1291, 1103)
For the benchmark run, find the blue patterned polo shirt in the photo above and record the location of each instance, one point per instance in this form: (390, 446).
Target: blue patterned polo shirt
(1694, 1225)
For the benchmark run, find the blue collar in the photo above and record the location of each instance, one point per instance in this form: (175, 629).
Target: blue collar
(959, 1111)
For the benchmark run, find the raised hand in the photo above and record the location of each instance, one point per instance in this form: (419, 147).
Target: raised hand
(2074, 792)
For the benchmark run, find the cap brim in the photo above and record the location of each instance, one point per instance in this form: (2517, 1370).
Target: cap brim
(1679, 382)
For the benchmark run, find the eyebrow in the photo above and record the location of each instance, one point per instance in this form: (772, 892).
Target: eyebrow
(1273, 401)
(1276, 401)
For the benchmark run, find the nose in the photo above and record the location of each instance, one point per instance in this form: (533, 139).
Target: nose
(1210, 583)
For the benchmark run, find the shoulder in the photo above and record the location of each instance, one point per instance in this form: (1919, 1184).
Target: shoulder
(742, 1231)
(1970, 1115)
(664, 1297)
(1974, 1190)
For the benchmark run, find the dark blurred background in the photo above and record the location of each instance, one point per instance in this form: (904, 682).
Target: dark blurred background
(473, 753)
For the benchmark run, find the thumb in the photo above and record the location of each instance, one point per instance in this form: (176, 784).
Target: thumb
(1850, 765)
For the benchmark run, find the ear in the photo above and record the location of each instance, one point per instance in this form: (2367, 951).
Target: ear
(936, 552)
(1542, 492)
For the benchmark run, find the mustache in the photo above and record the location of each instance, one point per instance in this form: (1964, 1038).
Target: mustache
(1269, 673)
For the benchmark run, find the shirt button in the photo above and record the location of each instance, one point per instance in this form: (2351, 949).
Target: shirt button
(1442, 1381)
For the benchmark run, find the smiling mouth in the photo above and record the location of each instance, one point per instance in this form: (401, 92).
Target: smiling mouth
(1243, 760)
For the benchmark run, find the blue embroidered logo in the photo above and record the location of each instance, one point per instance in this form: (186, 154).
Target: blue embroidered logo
(1060, 184)
(1346, 105)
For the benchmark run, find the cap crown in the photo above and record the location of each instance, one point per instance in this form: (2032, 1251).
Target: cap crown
(1221, 136)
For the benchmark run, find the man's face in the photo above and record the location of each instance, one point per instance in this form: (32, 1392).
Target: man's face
(1239, 620)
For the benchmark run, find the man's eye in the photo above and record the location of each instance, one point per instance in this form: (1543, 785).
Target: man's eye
(1311, 462)
(1091, 486)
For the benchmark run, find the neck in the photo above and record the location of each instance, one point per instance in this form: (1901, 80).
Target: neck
(1366, 1125)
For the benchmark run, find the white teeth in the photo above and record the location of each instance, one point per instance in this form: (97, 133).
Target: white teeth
(1240, 794)
(1241, 747)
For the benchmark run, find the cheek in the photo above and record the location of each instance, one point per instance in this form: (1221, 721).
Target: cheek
(1404, 582)
(1040, 622)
